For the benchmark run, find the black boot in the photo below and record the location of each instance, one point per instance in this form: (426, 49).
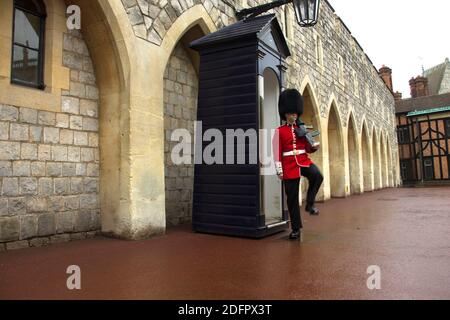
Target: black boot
(312, 210)
(295, 235)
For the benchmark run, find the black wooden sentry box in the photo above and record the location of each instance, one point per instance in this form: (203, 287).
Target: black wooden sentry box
(227, 197)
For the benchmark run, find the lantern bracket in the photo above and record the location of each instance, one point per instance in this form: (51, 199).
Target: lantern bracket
(255, 11)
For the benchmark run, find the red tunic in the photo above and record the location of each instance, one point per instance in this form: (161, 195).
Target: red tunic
(285, 140)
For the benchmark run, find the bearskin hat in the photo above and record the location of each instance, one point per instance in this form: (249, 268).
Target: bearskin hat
(291, 101)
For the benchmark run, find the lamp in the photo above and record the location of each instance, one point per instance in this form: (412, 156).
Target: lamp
(306, 11)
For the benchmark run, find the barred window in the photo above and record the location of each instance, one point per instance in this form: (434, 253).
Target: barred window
(27, 66)
(447, 127)
(403, 135)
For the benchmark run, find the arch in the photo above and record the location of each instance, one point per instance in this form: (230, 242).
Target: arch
(311, 117)
(367, 162)
(384, 161)
(104, 36)
(195, 17)
(336, 153)
(353, 156)
(178, 112)
(145, 104)
(390, 164)
(376, 161)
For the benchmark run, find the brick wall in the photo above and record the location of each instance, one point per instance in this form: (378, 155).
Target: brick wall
(49, 162)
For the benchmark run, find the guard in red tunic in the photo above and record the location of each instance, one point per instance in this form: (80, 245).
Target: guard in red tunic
(291, 146)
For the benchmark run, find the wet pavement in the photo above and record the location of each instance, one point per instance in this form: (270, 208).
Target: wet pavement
(406, 232)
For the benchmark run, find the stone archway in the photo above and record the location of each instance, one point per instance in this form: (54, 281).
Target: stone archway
(311, 117)
(367, 160)
(353, 157)
(180, 112)
(336, 154)
(383, 160)
(104, 37)
(181, 68)
(391, 168)
(376, 161)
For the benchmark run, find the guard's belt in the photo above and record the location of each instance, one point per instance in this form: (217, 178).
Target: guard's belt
(294, 153)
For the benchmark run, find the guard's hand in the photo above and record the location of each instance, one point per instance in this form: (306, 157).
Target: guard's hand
(280, 176)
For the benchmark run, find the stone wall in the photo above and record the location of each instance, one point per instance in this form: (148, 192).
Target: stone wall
(157, 16)
(152, 18)
(180, 111)
(343, 75)
(49, 162)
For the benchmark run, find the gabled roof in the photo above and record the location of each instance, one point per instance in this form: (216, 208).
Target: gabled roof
(422, 103)
(253, 26)
(437, 76)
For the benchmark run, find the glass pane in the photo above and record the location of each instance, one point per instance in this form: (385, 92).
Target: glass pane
(303, 10)
(26, 29)
(297, 14)
(25, 65)
(311, 9)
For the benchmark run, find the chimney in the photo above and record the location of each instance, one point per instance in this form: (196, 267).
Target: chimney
(386, 74)
(419, 87)
(412, 85)
(398, 96)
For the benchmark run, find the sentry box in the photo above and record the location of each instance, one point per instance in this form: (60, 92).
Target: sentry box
(241, 74)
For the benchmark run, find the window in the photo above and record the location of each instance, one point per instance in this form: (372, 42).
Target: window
(337, 24)
(447, 128)
(341, 69)
(318, 50)
(28, 43)
(403, 135)
(405, 168)
(368, 100)
(355, 83)
(428, 169)
(448, 164)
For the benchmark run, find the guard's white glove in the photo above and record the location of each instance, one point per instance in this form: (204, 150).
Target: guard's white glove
(279, 169)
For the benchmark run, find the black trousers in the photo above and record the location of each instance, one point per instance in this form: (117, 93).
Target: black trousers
(292, 188)
(315, 179)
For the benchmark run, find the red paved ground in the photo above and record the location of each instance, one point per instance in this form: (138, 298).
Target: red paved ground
(404, 231)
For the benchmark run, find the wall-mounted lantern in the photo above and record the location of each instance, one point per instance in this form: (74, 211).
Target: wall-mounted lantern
(306, 11)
